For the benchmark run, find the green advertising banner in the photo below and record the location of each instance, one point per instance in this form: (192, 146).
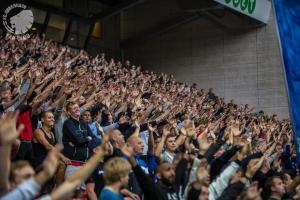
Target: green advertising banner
(257, 9)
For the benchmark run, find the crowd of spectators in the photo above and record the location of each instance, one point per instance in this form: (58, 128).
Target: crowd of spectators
(75, 126)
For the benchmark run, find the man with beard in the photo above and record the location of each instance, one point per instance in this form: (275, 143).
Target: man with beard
(166, 179)
(169, 180)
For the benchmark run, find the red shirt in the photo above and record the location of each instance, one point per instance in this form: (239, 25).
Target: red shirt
(24, 118)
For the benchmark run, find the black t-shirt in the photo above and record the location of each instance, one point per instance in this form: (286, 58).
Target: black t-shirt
(167, 192)
(97, 178)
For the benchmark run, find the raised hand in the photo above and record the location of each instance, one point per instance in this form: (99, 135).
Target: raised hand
(127, 151)
(277, 163)
(289, 136)
(235, 129)
(123, 89)
(137, 123)
(171, 120)
(265, 166)
(107, 102)
(38, 74)
(100, 129)
(186, 132)
(8, 131)
(166, 131)
(65, 190)
(65, 160)
(138, 102)
(150, 128)
(106, 146)
(135, 93)
(244, 151)
(270, 150)
(262, 148)
(81, 52)
(253, 166)
(226, 135)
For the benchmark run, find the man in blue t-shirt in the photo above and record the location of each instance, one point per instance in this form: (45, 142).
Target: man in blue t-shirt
(146, 162)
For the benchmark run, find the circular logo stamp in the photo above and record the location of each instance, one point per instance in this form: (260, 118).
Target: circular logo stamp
(18, 20)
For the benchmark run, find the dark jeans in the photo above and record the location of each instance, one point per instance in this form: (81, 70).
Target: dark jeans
(25, 152)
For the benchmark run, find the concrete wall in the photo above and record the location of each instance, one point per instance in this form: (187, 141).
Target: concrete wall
(245, 67)
(147, 14)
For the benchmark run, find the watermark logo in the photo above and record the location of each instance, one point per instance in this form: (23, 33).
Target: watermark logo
(18, 20)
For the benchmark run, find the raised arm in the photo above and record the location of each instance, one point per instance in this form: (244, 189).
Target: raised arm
(8, 135)
(90, 101)
(30, 188)
(150, 139)
(79, 93)
(58, 102)
(59, 56)
(181, 138)
(76, 57)
(32, 86)
(69, 186)
(137, 129)
(161, 144)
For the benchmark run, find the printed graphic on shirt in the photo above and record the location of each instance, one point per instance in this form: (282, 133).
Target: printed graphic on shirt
(172, 196)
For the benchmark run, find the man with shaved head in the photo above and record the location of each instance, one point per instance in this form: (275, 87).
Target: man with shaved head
(169, 179)
(137, 145)
(165, 173)
(117, 140)
(147, 162)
